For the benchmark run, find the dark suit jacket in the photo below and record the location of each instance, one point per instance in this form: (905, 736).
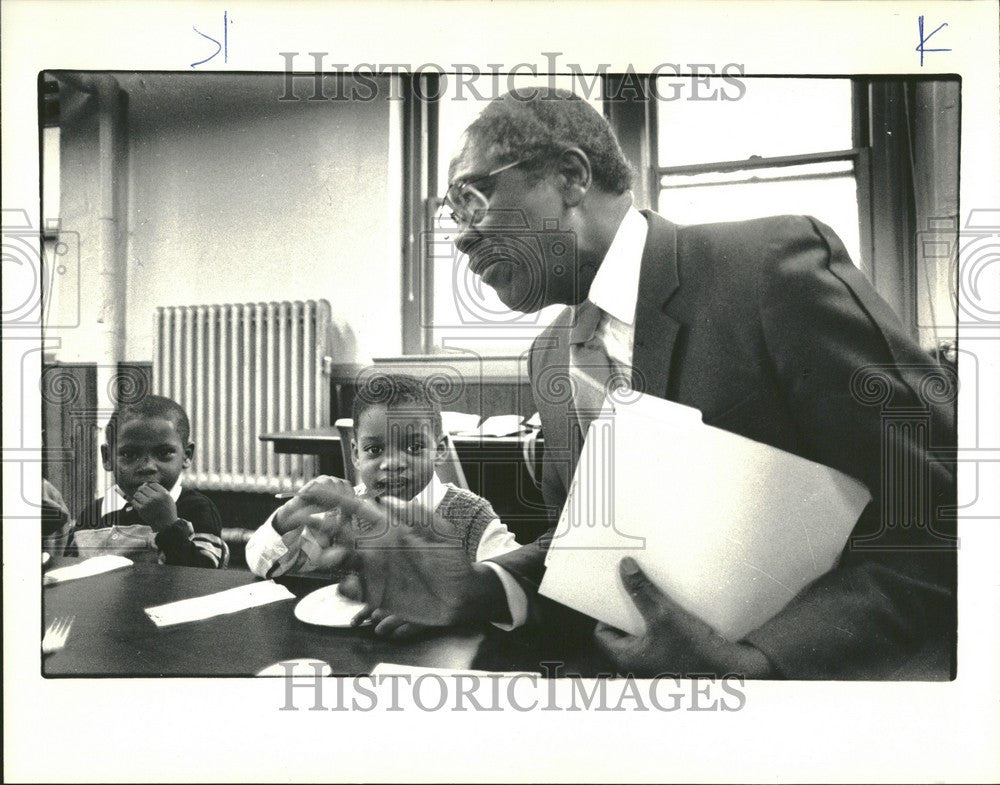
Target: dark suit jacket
(768, 328)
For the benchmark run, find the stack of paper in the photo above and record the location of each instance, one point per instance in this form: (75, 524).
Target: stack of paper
(502, 425)
(730, 528)
(230, 601)
(497, 425)
(459, 422)
(85, 569)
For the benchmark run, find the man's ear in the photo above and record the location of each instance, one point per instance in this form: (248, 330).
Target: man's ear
(188, 455)
(106, 459)
(354, 452)
(575, 175)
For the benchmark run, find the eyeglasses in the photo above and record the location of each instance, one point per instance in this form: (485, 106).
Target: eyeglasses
(467, 203)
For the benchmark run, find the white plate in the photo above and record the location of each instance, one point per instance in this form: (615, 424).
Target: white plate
(326, 608)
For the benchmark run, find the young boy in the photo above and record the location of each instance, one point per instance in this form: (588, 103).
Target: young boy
(149, 516)
(398, 439)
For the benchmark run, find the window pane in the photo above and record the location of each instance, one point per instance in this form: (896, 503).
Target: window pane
(830, 198)
(50, 179)
(773, 117)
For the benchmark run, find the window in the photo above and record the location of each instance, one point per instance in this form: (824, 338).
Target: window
(786, 147)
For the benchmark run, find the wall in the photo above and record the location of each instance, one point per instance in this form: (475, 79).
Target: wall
(234, 196)
(92, 149)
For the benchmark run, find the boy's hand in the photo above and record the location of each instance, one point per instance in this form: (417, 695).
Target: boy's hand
(296, 511)
(154, 506)
(324, 508)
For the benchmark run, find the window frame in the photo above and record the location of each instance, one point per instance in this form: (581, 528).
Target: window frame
(858, 154)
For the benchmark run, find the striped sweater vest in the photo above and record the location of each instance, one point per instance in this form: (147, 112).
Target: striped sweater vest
(469, 514)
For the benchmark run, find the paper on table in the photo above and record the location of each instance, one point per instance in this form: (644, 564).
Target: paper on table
(732, 529)
(85, 569)
(502, 425)
(459, 422)
(229, 601)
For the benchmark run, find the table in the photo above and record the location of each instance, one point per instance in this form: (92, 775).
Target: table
(112, 636)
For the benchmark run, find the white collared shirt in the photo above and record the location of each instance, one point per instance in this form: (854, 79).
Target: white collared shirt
(615, 288)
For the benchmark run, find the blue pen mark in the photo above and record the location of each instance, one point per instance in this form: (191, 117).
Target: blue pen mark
(924, 39)
(219, 47)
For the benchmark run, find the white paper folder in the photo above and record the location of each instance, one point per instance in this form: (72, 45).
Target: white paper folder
(730, 528)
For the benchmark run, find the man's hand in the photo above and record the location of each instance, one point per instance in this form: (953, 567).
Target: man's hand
(389, 625)
(675, 642)
(154, 506)
(296, 511)
(409, 563)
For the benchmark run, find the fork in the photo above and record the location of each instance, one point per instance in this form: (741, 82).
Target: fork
(55, 636)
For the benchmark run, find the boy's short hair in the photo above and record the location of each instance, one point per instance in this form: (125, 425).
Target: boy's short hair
(398, 391)
(150, 406)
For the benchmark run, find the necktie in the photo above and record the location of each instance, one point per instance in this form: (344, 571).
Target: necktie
(589, 364)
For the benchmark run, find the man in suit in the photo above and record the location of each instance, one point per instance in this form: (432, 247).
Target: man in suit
(764, 326)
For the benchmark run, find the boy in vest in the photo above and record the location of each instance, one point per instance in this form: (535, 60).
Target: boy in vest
(398, 439)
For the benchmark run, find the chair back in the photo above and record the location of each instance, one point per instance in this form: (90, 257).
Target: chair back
(345, 427)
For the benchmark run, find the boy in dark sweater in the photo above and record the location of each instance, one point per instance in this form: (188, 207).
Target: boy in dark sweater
(148, 516)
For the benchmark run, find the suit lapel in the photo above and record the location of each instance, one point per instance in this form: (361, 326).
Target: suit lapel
(655, 332)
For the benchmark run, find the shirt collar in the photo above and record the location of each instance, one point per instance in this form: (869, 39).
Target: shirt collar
(432, 494)
(115, 500)
(428, 499)
(615, 288)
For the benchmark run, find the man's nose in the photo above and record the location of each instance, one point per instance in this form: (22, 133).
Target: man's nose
(465, 237)
(147, 465)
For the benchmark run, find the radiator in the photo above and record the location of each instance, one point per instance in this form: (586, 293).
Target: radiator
(240, 371)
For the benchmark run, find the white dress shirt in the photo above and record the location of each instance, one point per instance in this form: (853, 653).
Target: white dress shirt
(615, 291)
(615, 288)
